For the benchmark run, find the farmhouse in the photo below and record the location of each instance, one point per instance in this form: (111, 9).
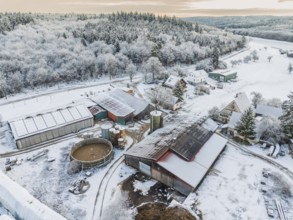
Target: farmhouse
(141, 107)
(196, 77)
(174, 81)
(239, 104)
(178, 155)
(223, 75)
(42, 127)
(265, 110)
(117, 111)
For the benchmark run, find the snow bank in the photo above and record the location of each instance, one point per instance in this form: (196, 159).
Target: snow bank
(6, 217)
(144, 187)
(21, 204)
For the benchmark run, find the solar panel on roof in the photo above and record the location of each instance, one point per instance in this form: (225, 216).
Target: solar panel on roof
(20, 128)
(40, 123)
(58, 117)
(75, 114)
(30, 125)
(49, 120)
(66, 115)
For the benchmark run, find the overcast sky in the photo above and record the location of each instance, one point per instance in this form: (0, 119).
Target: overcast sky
(182, 8)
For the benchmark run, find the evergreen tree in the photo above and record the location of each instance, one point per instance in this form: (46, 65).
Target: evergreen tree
(215, 57)
(178, 92)
(117, 46)
(287, 117)
(246, 126)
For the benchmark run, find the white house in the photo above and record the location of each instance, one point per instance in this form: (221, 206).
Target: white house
(196, 77)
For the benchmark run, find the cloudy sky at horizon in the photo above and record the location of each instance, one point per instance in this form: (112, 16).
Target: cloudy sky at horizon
(181, 8)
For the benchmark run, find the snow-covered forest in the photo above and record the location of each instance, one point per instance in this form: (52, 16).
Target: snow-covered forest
(42, 50)
(268, 27)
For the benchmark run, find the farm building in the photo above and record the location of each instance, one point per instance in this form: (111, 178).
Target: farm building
(35, 129)
(117, 110)
(239, 104)
(177, 155)
(85, 102)
(167, 100)
(223, 75)
(141, 107)
(98, 112)
(265, 110)
(196, 77)
(174, 81)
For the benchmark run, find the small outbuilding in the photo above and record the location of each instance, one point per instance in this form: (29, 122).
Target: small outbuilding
(265, 110)
(35, 129)
(98, 112)
(223, 75)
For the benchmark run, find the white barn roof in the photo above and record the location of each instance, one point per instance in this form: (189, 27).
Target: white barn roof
(112, 105)
(137, 104)
(266, 110)
(192, 172)
(234, 119)
(242, 102)
(224, 72)
(35, 124)
(172, 81)
(210, 125)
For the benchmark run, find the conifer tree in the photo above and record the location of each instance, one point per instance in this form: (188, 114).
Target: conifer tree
(178, 92)
(287, 117)
(246, 126)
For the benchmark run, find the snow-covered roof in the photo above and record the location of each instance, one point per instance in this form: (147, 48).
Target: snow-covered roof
(38, 123)
(242, 102)
(85, 101)
(210, 125)
(96, 109)
(165, 96)
(192, 172)
(234, 119)
(112, 105)
(198, 73)
(139, 105)
(225, 72)
(268, 111)
(172, 81)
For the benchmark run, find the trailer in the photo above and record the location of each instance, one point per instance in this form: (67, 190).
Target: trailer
(276, 151)
(271, 150)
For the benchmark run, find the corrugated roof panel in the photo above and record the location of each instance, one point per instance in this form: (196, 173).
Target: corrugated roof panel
(40, 123)
(58, 117)
(66, 115)
(30, 125)
(49, 120)
(83, 111)
(74, 113)
(20, 128)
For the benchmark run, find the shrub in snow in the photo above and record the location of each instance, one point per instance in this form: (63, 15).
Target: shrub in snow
(214, 112)
(74, 167)
(287, 117)
(269, 129)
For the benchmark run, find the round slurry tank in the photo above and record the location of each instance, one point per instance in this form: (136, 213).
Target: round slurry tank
(105, 130)
(156, 117)
(92, 152)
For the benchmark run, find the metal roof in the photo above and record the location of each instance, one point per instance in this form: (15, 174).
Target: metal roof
(172, 81)
(192, 172)
(139, 105)
(185, 139)
(242, 102)
(266, 110)
(112, 105)
(96, 109)
(35, 124)
(224, 72)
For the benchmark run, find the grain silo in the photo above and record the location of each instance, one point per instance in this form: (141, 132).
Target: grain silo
(156, 120)
(105, 130)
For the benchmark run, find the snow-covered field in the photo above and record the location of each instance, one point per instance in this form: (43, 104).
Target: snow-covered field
(234, 190)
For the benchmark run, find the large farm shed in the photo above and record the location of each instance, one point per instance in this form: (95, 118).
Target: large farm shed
(223, 75)
(178, 155)
(141, 107)
(117, 110)
(35, 129)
